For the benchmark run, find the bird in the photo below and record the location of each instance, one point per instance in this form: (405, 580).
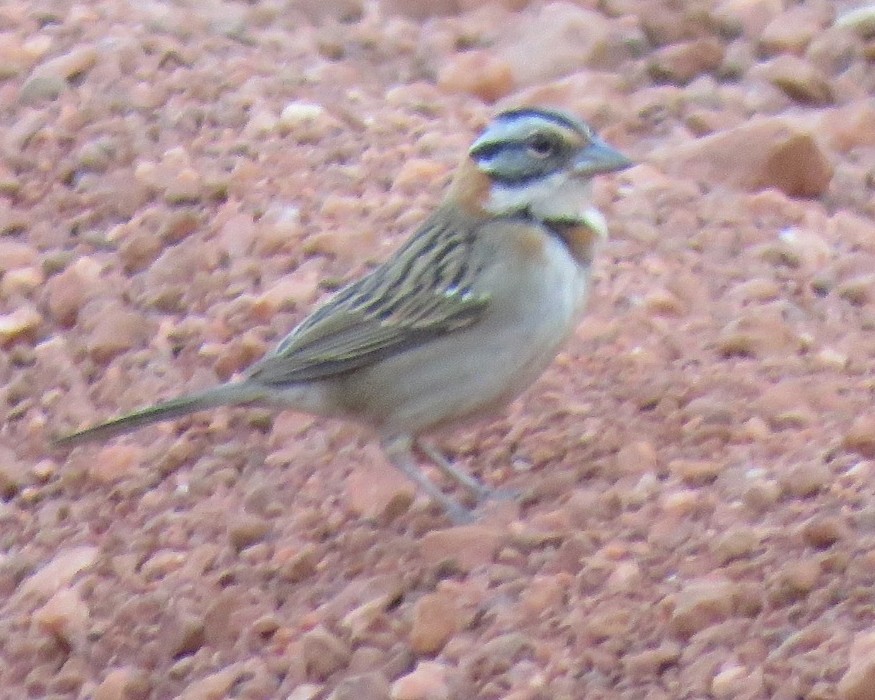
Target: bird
(458, 321)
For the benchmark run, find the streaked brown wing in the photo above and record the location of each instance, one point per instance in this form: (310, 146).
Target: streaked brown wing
(420, 293)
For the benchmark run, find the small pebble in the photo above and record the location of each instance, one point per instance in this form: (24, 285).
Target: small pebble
(426, 682)
(436, 618)
(324, 653)
(701, 604)
(66, 616)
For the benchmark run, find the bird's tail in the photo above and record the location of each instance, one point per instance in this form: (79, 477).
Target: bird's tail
(233, 393)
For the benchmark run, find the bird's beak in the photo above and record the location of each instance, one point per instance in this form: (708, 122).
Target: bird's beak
(599, 157)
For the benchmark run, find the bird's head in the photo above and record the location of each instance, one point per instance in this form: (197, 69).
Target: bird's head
(537, 163)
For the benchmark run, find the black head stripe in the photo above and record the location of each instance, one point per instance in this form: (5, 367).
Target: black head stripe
(510, 164)
(560, 118)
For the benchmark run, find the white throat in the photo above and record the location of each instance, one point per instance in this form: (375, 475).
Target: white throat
(557, 197)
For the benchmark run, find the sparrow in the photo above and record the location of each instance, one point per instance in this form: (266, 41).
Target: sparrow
(459, 320)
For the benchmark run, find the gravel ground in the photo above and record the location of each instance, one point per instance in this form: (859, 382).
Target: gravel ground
(181, 181)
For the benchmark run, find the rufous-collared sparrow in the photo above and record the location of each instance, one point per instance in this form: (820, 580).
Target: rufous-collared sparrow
(462, 318)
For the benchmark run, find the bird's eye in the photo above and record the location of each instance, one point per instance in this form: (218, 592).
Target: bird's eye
(541, 146)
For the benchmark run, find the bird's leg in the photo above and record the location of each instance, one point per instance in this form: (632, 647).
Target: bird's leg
(478, 490)
(399, 450)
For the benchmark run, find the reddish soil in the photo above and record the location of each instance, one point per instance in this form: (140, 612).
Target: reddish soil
(181, 182)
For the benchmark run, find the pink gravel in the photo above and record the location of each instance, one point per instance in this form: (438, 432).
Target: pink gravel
(181, 182)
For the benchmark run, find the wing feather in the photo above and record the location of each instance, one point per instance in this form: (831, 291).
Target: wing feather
(429, 294)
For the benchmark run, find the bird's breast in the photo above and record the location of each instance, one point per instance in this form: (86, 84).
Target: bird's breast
(536, 283)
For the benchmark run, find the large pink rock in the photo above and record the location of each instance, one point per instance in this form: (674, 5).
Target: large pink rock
(769, 152)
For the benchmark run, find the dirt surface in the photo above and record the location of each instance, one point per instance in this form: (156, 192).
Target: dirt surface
(180, 182)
